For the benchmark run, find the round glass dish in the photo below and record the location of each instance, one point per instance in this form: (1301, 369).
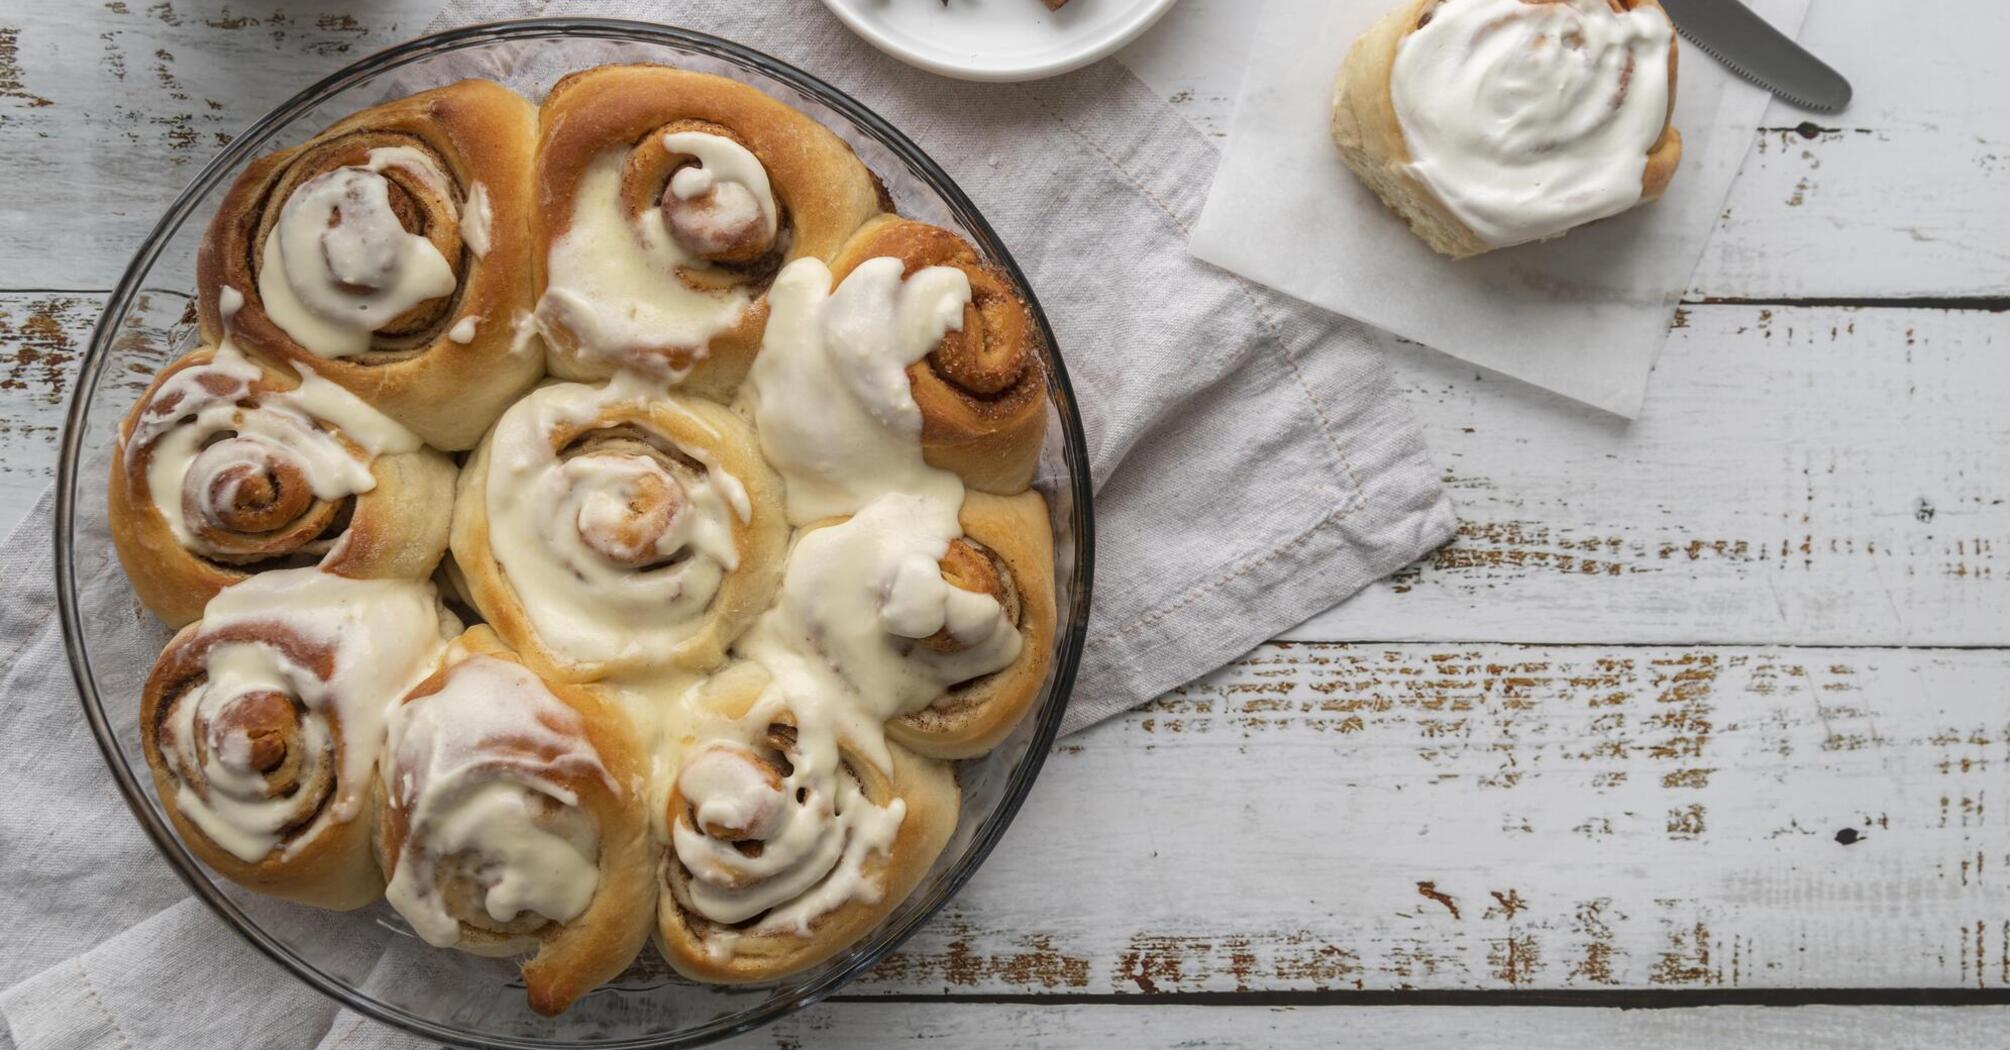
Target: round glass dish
(368, 960)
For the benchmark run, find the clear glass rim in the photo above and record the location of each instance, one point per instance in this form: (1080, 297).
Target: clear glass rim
(119, 303)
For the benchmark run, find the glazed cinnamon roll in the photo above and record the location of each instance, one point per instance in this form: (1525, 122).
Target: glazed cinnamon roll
(1491, 123)
(262, 724)
(789, 841)
(981, 388)
(611, 530)
(513, 822)
(890, 609)
(390, 254)
(669, 199)
(1006, 553)
(226, 466)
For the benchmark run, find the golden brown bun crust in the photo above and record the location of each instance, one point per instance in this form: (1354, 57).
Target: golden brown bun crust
(825, 192)
(974, 717)
(397, 529)
(333, 866)
(1370, 136)
(578, 956)
(929, 789)
(983, 390)
(447, 392)
(685, 422)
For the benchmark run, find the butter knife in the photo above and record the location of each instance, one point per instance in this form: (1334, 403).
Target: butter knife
(1747, 45)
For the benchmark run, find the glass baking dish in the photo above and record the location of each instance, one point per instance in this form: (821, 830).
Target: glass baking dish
(368, 960)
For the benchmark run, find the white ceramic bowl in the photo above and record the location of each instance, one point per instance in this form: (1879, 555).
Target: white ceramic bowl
(998, 40)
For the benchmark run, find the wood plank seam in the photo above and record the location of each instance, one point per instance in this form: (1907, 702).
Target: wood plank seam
(1586, 998)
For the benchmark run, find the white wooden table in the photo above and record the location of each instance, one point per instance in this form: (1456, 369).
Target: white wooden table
(1712, 710)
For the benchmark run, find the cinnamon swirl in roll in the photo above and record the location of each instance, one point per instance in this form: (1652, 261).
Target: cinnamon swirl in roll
(262, 724)
(514, 822)
(669, 199)
(390, 254)
(1490, 123)
(788, 840)
(980, 387)
(614, 530)
(226, 467)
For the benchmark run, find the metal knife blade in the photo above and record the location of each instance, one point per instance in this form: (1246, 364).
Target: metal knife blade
(1747, 45)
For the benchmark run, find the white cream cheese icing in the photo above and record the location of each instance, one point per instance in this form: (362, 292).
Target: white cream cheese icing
(469, 764)
(330, 287)
(386, 636)
(1527, 119)
(198, 426)
(477, 219)
(829, 390)
(614, 281)
(555, 525)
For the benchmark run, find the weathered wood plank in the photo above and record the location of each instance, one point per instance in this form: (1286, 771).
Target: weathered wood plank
(1456, 817)
(853, 1024)
(1808, 476)
(42, 338)
(1895, 197)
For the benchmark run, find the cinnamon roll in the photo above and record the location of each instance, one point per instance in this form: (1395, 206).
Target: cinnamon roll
(1490, 123)
(981, 388)
(226, 467)
(612, 530)
(1006, 553)
(391, 254)
(890, 610)
(262, 725)
(513, 822)
(668, 200)
(788, 841)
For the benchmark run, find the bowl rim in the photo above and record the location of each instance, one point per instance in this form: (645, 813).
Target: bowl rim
(119, 304)
(941, 58)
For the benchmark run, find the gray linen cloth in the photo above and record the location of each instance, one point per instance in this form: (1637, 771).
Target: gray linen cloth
(1252, 465)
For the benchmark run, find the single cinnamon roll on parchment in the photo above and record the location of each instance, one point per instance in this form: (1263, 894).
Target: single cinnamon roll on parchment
(262, 725)
(612, 530)
(1492, 123)
(390, 254)
(514, 821)
(668, 199)
(226, 466)
(982, 389)
(787, 838)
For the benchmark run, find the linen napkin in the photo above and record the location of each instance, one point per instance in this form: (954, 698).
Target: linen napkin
(1252, 464)
(1584, 316)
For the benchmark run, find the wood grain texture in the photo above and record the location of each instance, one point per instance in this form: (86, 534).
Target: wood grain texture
(1799, 475)
(1324, 816)
(853, 1024)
